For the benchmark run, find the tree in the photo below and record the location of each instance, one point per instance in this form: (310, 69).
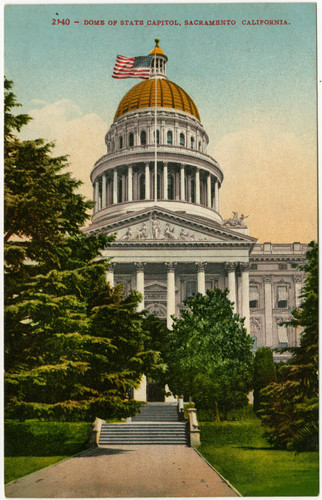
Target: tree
(73, 345)
(290, 408)
(264, 373)
(209, 354)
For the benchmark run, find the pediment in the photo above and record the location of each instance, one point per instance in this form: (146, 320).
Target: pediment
(156, 226)
(155, 287)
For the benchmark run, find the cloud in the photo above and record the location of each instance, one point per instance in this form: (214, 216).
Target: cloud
(271, 175)
(39, 102)
(79, 135)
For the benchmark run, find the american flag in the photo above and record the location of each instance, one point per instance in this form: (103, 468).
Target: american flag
(132, 67)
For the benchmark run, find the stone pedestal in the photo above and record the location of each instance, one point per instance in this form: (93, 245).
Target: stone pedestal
(140, 393)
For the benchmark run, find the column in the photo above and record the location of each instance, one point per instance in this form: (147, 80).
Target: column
(171, 292)
(114, 186)
(104, 190)
(110, 274)
(147, 181)
(182, 172)
(201, 279)
(209, 190)
(231, 267)
(197, 197)
(298, 283)
(140, 281)
(165, 181)
(216, 196)
(129, 183)
(268, 311)
(244, 267)
(96, 195)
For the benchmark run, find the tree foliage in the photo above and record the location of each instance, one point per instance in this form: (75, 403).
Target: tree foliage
(264, 373)
(209, 354)
(290, 410)
(73, 345)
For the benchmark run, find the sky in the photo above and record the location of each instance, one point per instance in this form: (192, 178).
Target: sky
(254, 86)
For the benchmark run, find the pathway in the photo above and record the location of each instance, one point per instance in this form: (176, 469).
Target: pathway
(125, 471)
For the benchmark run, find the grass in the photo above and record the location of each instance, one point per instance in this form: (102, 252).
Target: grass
(16, 467)
(33, 445)
(240, 453)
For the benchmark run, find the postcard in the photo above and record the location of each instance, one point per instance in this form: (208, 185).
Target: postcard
(193, 130)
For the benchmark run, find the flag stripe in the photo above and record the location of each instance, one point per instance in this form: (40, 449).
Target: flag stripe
(132, 67)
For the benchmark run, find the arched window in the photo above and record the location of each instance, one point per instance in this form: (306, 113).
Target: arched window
(181, 139)
(113, 145)
(169, 137)
(141, 186)
(192, 142)
(131, 140)
(199, 145)
(170, 187)
(119, 190)
(143, 138)
(158, 136)
(121, 141)
(193, 190)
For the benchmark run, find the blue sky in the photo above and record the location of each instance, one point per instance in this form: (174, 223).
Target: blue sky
(251, 84)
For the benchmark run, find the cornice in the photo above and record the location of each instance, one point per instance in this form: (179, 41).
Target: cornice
(276, 258)
(168, 154)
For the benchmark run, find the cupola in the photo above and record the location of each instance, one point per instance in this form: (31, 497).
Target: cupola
(158, 62)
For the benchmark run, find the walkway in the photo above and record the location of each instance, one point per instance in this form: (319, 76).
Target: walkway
(125, 471)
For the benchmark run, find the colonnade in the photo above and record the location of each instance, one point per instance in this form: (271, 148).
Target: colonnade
(181, 182)
(231, 269)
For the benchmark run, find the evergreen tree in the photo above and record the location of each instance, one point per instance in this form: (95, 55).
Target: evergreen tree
(264, 373)
(290, 407)
(209, 354)
(60, 360)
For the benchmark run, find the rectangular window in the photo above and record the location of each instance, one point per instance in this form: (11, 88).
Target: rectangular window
(191, 288)
(282, 266)
(282, 297)
(253, 266)
(253, 297)
(282, 335)
(188, 288)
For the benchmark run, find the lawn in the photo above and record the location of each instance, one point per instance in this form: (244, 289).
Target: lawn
(33, 445)
(240, 453)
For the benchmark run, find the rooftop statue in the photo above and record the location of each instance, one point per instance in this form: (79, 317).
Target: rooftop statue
(236, 221)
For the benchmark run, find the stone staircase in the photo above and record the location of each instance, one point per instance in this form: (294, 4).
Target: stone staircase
(157, 412)
(156, 424)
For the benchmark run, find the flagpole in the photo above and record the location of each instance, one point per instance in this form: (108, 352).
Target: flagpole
(155, 132)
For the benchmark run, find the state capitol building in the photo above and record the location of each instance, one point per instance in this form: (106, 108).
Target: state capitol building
(174, 243)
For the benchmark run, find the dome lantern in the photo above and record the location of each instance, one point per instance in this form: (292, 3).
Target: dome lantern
(158, 62)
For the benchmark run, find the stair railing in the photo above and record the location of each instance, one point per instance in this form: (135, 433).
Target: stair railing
(194, 431)
(95, 432)
(180, 409)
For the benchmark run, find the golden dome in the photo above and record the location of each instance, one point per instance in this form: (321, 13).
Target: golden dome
(169, 95)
